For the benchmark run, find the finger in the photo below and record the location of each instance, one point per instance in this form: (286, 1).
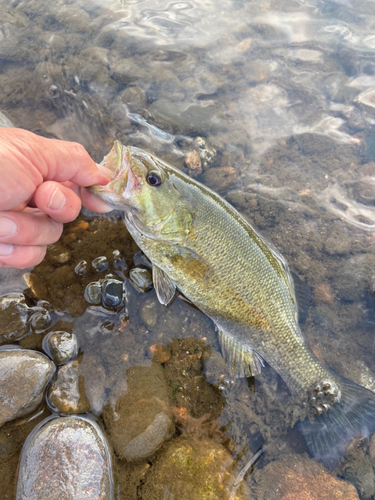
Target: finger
(61, 203)
(28, 228)
(93, 203)
(52, 158)
(21, 257)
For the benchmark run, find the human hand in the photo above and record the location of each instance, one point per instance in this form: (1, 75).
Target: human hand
(41, 187)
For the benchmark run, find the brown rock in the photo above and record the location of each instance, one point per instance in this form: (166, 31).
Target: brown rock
(160, 353)
(322, 293)
(302, 479)
(220, 179)
(193, 163)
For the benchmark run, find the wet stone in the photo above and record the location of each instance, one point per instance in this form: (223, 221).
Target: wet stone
(24, 375)
(61, 346)
(193, 470)
(357, 469)
(294, 479)
(139, 421)
(337, 243)
(193, 163)
(220, 179)
(112, 293)
(65, 457)
(93, 292)
(149, 313)
(67, 393)
(206, 152)
(141, 277)
(100, 264)
(14, 315)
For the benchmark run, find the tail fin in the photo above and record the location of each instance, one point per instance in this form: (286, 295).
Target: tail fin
(329, 434)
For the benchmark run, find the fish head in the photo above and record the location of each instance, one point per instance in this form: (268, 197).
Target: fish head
(145, 188)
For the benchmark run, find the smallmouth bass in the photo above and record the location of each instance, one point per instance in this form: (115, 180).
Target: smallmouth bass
(200, 245)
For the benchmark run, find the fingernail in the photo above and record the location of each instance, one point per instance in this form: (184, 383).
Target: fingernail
(7, 227)
(5, 249)
(58, 200)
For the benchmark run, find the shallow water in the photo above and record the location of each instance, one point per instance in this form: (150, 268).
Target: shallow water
(285, 93)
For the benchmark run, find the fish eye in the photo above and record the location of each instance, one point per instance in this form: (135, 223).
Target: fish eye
(153, 179)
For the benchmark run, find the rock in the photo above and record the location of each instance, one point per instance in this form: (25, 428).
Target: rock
(5, 121)
(338, 242)
(14, 316)
(141, 277)
(24, 375)
(126, 71)
(357, 469)
(220, 179)
(139, 421)
(65, 457)
(244, 46)
(206, 152)
(193, 163)
(67, 392)
(301, 478)
(134, 97)
(322, 293)
(160, 353)
(61, 346)
(149, 313)
(192, 470)
(112, 293)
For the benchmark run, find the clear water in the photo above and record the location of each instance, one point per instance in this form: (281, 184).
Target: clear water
(285, 93)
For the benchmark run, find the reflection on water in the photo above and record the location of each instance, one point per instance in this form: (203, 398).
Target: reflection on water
(283, 92)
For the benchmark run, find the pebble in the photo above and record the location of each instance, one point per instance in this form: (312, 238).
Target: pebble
(205, 151)
(93, 292)
(149, 313)
(100, 264)
(24, 375)
(141, 277)
(322, 293)
(112, 293)
(65, 457)
(301, 478)
(220, 179)
(67, 393)
(193, 163)
(61, 346)
(194, 469)
(139, 421)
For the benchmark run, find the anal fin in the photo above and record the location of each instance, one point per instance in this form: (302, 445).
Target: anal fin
(243, 361)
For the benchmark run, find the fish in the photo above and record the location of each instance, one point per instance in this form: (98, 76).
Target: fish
(201, 246)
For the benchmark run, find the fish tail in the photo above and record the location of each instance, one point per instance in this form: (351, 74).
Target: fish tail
(328, 435)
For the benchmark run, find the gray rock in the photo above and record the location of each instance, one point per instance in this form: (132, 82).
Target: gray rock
(14, 316)
(141, 277)
(61, 346)
(24, 375)
(126, 71)
(65, 457)
(149, 312)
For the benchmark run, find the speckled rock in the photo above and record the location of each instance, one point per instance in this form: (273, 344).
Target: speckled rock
(205, 151)
(67, 392)
(14, 315)
(139, 421)
(220, 179)
(24, 375)
(301, 478)
(193, 470)
(193, 163)
(65, 457)
(61, 346)
(357, 469)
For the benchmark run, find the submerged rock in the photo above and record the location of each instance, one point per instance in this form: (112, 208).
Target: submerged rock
(65, 457)
(61, 346)
(67, 392)
(24, 375)
(302, 478)
(139, 421)
(193, 470)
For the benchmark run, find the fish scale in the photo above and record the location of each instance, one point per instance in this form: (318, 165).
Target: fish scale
(199, 244)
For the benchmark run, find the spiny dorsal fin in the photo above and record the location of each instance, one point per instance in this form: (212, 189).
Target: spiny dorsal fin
(164, 287)
(243, 361)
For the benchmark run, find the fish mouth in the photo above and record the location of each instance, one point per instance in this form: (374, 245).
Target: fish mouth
(117, 162)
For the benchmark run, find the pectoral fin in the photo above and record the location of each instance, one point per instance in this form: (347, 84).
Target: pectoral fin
(164, 287)
(243, 361)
